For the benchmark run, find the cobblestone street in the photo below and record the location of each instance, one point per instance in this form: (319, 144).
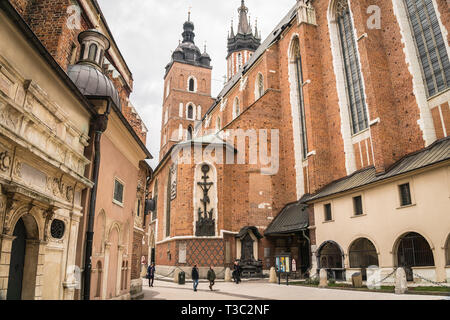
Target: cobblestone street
(264, 291)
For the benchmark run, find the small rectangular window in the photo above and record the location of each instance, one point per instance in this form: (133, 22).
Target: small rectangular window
(357, 206)
(328, 214)
(139, 208)
(405, 194)
(118, 191)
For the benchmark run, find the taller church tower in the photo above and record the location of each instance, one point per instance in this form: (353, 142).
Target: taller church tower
(187, 90)
(242, 45)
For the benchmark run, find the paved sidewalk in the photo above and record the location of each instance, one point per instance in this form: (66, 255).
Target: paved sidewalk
(265, 291)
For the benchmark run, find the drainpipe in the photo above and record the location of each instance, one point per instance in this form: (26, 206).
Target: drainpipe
(99, 126)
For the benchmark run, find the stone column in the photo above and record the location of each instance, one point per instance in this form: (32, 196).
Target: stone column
(33, 275)
(119, 270)
(314, 264)
(71, 281)
(105, 271)
(5, 256)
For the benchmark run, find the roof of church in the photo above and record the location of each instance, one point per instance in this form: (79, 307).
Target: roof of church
(273, 37)
(434, 154)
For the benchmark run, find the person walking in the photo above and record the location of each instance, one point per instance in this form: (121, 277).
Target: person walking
(151, 274)
(237, 272)
(211, 277)
(195, 277)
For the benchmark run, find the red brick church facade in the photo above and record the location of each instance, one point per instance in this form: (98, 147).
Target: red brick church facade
(342, 95)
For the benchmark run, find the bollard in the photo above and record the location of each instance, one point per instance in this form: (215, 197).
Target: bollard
(323, 279)
(401, 284)
(273, 275)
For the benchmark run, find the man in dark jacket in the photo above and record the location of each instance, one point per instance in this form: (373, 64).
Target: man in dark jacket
(151, 274)
(237, 272)
(195, 277)
(211, 277)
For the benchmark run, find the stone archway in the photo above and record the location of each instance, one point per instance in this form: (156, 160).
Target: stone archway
(363, 254)
(413, 250)
(331, 257)
(23, 260)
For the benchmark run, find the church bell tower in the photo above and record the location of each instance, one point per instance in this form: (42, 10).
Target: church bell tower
(187, 90)
(243, 44)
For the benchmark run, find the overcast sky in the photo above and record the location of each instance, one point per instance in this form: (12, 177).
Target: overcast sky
(147, 31)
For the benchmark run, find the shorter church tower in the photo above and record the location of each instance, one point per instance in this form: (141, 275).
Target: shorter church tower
(187, 90)
(242, 45)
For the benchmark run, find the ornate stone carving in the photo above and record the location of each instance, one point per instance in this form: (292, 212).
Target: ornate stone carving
(69, 193)
(9, 117)
(5, 161)
(205, 226)
(17, 168)
(48, 216)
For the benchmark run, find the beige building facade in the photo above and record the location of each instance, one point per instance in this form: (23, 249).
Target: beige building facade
(44, 129)
(391, 230)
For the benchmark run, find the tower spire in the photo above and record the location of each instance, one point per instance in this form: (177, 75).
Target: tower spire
(243, 27)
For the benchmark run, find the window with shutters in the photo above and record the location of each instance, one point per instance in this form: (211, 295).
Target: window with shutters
(430, 44)
(353, 75)
(118, 192)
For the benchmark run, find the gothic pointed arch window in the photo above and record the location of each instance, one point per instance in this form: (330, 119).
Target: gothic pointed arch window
(259, 86)
(430, 45)
(236, 108)
(190, 112)
(239, 60)
(189, 133)
(296, 67)
(352, 69)
(192, 84)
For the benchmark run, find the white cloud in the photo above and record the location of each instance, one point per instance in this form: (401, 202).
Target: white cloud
(147, 31)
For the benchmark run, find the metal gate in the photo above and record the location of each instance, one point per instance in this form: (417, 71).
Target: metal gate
(414, 251)
(362, 254)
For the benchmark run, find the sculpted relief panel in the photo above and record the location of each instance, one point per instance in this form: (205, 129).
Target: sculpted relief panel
(41, 122)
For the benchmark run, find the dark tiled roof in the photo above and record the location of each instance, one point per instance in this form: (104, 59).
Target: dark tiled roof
(245, 230)
(437, 152)
(293, 218)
